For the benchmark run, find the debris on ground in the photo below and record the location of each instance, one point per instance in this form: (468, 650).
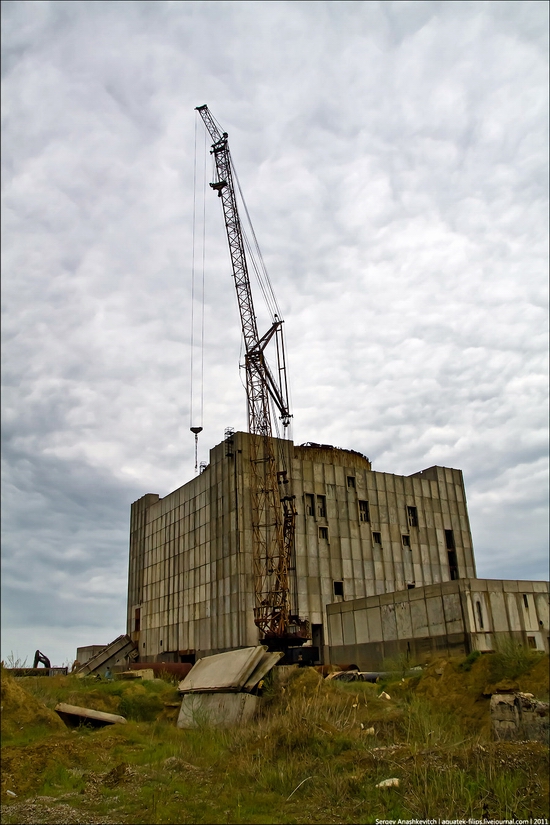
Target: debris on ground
(389, 783)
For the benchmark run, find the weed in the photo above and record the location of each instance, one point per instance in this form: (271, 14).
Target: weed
(397, 666)
(512, 659)
(13, 661)
(472, 657)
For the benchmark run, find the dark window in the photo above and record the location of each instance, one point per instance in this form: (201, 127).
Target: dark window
(323, 532)
(364, 511)
(526, 601)
(453, 564)
(322, 506)
(449, 540)
(338, 588)
(411, 586)
(412, 516)
(351, 482)
(406, 541)
(532, 642)
(479, 615)
(161, 642)
(137, 619)
(310, 504)
(377, 538)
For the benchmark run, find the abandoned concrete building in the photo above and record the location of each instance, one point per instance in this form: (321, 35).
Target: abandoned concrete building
(360, 534)
(357, 541)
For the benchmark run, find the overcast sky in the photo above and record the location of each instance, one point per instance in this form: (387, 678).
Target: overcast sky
(394, 160)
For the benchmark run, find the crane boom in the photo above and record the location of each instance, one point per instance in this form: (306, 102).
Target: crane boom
(273, 510)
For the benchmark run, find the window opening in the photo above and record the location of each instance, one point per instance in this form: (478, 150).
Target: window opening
(526, 601)
(406, 541)
(351, 482)
(338, 588)
(449, 540)
(453, 564)
(137, 619)
(532, 642)
(412, 516)
(364, 511)
(479, 615)
(310, 504)
(323, 533)
(411, 586)
(322, 506)
(377, 538)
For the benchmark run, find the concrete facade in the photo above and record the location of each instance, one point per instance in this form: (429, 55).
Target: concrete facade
(359, 533)
(454, 617)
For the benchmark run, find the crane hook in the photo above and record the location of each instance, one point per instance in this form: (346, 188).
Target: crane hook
(196, 431)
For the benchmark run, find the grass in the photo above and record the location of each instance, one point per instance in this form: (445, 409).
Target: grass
(307, 758)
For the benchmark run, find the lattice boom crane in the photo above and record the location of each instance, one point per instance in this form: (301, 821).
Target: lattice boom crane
(273, 510)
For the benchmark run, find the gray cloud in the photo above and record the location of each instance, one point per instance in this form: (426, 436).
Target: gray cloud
(394, 160)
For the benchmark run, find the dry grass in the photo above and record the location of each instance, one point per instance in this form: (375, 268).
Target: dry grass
(310, 757)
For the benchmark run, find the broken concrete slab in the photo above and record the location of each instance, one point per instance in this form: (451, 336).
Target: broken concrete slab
(266, 663)
(220, 710)
(73, 715)
(223, 672)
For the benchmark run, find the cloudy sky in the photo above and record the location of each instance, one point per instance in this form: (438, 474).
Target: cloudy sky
(394, 160)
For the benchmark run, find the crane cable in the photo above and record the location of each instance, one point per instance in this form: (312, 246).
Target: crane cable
(194, 428)
(256, 256)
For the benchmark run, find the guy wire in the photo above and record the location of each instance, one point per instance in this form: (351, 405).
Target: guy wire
(203, 271)
(192, 343)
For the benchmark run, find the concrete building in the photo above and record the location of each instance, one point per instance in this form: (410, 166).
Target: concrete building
(453, 617)
(359, 533)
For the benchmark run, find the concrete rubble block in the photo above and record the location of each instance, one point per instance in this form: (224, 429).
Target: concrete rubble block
(223, 672)
(73, 715)
(519, 716)
(219, 710)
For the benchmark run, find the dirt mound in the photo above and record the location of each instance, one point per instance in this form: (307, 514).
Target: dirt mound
(21, 710)
(466, 692)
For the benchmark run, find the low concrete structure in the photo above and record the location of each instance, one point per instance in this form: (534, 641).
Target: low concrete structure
(449, 618)
(84, 654)
(219, 710)
(221, 690)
